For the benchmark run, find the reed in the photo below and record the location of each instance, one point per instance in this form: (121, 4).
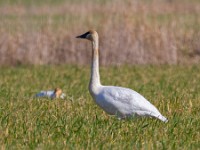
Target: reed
(131, 32)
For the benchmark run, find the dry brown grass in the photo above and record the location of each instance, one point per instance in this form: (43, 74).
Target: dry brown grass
(131, 32)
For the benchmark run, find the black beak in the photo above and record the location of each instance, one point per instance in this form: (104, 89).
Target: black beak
(83, 36)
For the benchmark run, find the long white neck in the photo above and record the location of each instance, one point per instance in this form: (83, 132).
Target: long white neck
(95, 77)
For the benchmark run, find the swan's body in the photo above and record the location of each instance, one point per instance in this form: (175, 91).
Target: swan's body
(124, 102)
(119, 101)
(57, 93)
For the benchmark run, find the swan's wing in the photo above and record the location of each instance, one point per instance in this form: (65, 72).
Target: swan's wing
(128, 97)
(40, 94)
(49, 94)
(126, 102)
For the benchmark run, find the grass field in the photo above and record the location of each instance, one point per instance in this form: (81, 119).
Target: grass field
(77, 123)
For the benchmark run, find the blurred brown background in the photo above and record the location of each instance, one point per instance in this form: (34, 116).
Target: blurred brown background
(131, 31)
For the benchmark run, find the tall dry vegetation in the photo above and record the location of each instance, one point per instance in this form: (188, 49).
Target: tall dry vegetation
(131, 32)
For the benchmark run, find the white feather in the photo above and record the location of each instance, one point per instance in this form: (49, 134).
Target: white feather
(49, 94)
(125, 102)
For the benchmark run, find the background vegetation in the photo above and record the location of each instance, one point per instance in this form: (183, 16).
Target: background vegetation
(131, 32)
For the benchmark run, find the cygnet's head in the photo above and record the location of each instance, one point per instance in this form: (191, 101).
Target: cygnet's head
(58, 92)
(90, 35)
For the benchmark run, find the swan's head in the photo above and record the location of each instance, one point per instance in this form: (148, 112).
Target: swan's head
(58, 92)
(90, 35)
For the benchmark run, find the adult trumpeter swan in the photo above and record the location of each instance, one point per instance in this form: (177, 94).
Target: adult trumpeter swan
(119, 101)
(57, 93)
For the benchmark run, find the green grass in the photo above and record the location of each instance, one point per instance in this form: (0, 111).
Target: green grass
(77, 123)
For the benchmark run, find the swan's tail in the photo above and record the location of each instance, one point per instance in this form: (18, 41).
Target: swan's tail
(162, 118)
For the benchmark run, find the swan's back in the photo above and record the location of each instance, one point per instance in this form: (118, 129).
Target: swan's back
(125, 102)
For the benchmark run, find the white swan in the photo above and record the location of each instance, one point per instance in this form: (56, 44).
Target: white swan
(57, 93)
(119, 101)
